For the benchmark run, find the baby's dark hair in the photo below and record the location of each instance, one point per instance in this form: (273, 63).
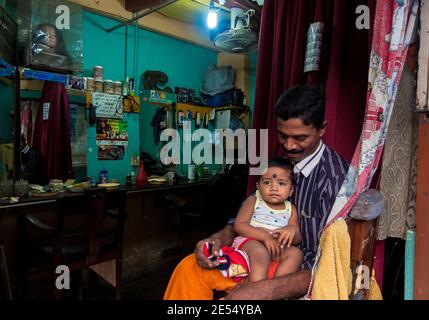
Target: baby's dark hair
(283, 163)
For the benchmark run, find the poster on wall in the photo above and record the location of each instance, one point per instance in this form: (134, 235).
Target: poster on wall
(112, 132)
(314, 47)
(113, 152)
(107, 105)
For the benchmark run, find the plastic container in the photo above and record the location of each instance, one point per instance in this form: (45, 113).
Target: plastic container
(56, 185)
(108, 86)
(98, 87)
(141, 179)
(117, 87)
(97, 73)
(218, 100)
(90, 84)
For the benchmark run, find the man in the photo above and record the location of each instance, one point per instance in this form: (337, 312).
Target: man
(318, 175)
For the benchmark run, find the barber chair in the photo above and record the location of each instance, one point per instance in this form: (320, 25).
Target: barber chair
(87, 234)
(186, 217)
(226, 192)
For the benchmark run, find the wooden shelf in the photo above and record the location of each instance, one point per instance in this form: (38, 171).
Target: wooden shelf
(32, 89)
(207, 109)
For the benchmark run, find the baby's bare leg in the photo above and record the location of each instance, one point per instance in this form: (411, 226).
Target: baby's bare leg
(290, 262)
(259, 260)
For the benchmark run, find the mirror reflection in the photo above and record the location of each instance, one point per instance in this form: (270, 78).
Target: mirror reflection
(6, 127)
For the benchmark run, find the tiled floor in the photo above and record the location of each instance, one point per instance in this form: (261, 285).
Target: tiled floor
(151, 283)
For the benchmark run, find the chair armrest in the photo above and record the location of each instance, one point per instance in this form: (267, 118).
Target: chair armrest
(33, 221)
(113, 213)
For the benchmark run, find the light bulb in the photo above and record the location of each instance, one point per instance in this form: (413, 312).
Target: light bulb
(212, 19)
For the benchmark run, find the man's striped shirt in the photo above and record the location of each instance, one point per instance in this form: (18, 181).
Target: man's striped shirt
(314, 194)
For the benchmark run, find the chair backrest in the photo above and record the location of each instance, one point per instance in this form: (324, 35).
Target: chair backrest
(363, 239)
(227, 193)
(362, 227)
(86, 222)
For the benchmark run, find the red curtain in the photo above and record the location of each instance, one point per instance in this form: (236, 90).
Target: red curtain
(52, 132)
(343, 68)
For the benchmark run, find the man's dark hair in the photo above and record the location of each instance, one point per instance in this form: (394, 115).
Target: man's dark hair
(304, 102)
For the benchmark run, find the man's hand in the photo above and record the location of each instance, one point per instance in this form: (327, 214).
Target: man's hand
(221, 238)
(285, 236)
(202, 260)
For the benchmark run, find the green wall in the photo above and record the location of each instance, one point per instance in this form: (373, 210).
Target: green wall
(182, 62)
(6, 106)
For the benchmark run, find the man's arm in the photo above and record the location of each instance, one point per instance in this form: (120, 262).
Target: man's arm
(222, 238)
(291, 286)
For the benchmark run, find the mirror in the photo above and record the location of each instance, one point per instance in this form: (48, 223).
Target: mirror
(9, 114)
(7, 89)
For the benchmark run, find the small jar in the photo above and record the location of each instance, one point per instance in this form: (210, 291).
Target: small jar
(98, 86)
(90, 85)
(108, 86)
(117, 87)
(56, 185)
(98, 73)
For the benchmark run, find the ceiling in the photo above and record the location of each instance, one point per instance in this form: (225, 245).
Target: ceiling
(195, 11)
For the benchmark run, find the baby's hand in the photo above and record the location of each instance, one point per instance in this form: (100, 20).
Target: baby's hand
(272, 247)
(284, 236)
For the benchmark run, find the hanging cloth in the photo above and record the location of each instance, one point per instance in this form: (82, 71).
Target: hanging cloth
(52, 132)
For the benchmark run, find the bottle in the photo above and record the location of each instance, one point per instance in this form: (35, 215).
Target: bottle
(191, 172)
(200, 171)
(124, 88)
(103, 176)
(141, 179)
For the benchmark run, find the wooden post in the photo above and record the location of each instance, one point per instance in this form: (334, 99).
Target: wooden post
(421, 275)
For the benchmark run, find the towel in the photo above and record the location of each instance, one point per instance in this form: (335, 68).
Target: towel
(333, 277)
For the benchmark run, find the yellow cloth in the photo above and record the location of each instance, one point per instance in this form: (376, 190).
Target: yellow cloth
(6, 155)
(333, 277)
(374, 289)
(191, 282)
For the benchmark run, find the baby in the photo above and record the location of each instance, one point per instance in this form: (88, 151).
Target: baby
(268, 225)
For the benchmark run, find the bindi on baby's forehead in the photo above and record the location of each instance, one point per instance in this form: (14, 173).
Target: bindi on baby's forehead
(274, 175)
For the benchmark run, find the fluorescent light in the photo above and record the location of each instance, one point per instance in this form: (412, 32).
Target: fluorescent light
(212, 20)
(212, 16)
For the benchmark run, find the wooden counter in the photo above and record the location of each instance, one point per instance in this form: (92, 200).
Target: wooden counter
(149, 228)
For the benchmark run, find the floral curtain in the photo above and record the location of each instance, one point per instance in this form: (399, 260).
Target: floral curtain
(393, 27)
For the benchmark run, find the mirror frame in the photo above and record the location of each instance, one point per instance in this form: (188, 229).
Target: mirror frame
(16, 122)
